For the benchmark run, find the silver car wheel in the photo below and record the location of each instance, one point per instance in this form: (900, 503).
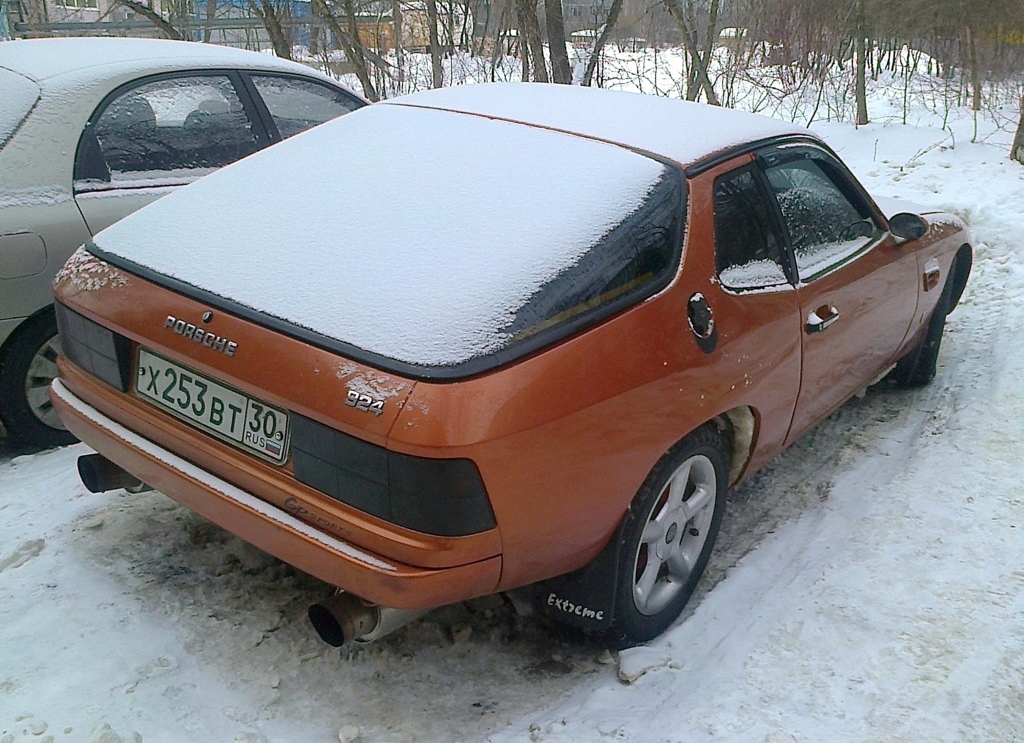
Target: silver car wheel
(41, 371)
(674, 535)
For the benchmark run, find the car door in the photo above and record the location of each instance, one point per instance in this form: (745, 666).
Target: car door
(857, 288)
(756, 311)
(158, 133)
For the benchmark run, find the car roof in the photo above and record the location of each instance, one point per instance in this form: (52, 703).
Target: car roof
(48, 60)
(669, 128)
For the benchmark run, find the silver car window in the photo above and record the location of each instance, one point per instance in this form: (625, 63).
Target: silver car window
(296, 105)
(173, 128)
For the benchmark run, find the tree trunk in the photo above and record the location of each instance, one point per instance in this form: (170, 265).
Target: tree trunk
(396, 16)
(860, 84)
(603, 35)
(529, 16)
(211, 15)
(437, 74)
(522, 43)
(1017, 149)
(972, 52)
(560, 72)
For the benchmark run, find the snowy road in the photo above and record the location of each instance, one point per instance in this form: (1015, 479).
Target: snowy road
(868, 585)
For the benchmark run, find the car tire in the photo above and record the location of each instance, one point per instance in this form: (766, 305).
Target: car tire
(668, 535)
(27, 367)
(917, 368)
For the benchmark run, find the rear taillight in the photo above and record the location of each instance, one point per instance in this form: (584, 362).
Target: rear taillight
(94, 348)
(445, 497)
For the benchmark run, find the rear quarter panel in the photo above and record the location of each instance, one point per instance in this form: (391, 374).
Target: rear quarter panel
(566, 438)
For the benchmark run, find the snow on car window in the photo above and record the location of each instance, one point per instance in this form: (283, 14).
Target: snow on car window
(821, 220)
(168, 178)
(410, 233)
(754, 274)
(18, 94)
(194, 122)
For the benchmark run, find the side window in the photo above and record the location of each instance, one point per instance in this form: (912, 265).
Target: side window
(825, 225)
(297, 105)
(181, 127)
(747, 251)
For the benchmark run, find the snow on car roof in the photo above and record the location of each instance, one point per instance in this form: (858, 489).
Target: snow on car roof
(413, 234)
(679, 130)
(41, 59)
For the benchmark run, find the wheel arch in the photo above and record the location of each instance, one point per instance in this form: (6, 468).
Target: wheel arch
(738, 427)
(959, 273)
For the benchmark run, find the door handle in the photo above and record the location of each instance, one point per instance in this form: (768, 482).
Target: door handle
(821, 318)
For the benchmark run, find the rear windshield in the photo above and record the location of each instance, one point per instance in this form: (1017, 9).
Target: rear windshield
(630, 257)
(19, 95)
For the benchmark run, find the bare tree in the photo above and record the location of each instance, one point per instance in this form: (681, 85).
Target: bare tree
(555, 26)
(268, 14)
(153, 17)
(685, 19)
(603, 34)
(530, 27)
(348, 38)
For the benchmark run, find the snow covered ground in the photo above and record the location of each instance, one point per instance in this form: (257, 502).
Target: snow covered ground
(868, 585)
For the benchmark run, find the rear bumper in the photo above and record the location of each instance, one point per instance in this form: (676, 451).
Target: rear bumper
(268, 527)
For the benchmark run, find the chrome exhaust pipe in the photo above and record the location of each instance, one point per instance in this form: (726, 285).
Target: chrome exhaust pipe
(346, 618)
(99, 475)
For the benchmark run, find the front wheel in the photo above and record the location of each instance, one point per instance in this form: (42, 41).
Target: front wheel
(917, 368)
(668, 535)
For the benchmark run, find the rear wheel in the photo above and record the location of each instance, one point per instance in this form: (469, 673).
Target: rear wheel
(26, 370)
(668, 535)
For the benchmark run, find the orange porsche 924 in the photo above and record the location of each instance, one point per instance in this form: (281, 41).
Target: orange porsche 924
(495, 336)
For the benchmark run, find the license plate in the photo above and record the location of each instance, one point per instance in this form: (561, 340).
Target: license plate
(228, 414)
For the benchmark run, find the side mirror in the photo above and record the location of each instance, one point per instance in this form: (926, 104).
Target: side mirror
(908, 226)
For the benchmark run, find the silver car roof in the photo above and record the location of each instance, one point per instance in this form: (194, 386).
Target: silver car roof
(49, 60)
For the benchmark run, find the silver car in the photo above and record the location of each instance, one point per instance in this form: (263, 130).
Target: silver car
(92, 129)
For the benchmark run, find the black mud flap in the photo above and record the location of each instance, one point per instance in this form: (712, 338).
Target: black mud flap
(584, 598)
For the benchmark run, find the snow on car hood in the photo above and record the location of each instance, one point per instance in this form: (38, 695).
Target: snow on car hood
(410, 233)
(891, 207)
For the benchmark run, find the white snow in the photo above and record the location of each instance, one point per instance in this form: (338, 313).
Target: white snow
(867, 586)
(755, 274)
(679, 130)
(348, 253)
(37, 196)
(19, 95)
(40, 59)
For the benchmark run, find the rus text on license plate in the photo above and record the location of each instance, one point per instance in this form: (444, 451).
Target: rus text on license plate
(244, 421)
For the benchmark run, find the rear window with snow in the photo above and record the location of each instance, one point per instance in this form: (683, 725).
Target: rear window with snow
(18, 94)
(425, 242)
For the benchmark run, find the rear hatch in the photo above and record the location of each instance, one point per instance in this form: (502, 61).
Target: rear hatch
(395, 236)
